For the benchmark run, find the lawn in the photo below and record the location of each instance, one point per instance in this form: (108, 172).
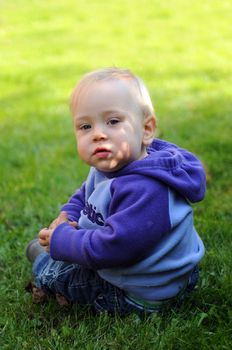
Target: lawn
(182, 50)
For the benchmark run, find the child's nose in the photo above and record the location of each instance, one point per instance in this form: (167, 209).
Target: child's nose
(99, 134)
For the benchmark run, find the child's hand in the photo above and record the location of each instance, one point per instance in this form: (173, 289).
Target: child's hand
(57, 222)
(46, 233)
(45, 237)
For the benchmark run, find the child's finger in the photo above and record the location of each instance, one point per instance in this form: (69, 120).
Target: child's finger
(43, 233)
(73, 224)
(43, 242)
(63, 217)
(54, 223)
(44, 237)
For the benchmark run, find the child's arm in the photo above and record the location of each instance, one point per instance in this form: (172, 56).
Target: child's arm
(138, 217)
(46, 233)
(56, 221)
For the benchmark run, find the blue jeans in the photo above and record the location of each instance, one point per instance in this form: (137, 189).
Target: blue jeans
(84, 286)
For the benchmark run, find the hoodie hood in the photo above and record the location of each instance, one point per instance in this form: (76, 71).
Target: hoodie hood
(174, 166)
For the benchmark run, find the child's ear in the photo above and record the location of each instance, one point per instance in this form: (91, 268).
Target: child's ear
(149, 126)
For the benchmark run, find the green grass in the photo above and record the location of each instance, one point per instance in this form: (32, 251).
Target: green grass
(183, 52)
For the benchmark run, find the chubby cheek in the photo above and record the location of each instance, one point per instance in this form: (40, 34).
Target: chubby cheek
(82, 149)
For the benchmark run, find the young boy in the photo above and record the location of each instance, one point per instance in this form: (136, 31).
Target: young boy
(125, 241)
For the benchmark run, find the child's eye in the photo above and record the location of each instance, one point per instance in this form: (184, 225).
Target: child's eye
(85, 127)
(113, 121)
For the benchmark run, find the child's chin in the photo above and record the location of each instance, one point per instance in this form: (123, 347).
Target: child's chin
(108, 169)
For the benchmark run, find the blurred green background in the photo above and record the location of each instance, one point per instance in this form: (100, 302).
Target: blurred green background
(183, 52)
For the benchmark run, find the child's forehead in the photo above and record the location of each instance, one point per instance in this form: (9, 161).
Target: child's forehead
(128, 85)
(108, 88)
(106, 96)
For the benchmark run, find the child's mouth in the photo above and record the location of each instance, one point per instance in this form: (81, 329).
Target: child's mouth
(102, 152)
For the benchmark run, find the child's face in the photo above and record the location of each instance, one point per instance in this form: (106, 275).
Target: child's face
(109, 126)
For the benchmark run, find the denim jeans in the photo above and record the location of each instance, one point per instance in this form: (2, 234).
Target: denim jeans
(84, 286)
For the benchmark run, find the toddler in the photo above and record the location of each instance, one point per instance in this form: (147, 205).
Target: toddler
(125, 241)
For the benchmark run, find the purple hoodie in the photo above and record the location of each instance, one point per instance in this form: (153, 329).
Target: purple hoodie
(136, 225)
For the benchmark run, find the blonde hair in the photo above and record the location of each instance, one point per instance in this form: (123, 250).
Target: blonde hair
(142, 95)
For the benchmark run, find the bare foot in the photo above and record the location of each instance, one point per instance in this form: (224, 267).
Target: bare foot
(38, 295)
(62, 301)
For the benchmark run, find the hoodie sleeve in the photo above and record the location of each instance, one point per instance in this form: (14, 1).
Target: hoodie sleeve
(138, 217)
(75, 204)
